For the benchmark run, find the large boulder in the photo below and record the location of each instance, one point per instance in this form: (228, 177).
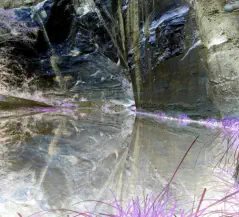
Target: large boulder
(220, 36)
(182, 55)
(74, 44)
(166, 57)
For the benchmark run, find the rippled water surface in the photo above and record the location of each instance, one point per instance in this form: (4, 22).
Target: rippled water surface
(54, 158)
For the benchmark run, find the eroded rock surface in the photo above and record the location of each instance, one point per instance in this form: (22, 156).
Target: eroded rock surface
(179, 55)
(220, 34)
(73, 44)
(166, 59)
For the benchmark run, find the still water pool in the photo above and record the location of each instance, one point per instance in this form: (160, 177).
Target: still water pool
(55, 158)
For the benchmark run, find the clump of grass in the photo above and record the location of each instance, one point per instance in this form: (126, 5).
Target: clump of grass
(163, 206)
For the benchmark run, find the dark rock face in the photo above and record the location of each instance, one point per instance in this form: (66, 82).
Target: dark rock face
(85, 52)
(60, 20)
(93, 72)
(57, 16)
(26, 15)
(66, 30)
(22, 32)
(166, 39)
(97, 34)
(167, 33)
(171, 67)
(157, 42)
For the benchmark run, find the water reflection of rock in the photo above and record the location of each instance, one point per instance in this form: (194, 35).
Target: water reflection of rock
(54, 160)
(62, 160)
(155, 152)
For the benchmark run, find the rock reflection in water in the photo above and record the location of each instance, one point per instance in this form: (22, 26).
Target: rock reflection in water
(53, 160)
(158, 147)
